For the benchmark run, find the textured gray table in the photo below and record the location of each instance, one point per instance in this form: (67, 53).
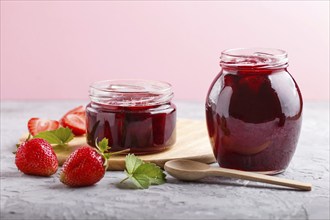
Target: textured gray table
(28, 197)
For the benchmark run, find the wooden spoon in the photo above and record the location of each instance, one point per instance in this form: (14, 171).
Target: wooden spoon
(192, 170)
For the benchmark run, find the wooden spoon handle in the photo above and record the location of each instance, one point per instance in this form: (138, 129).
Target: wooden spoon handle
(259, 178)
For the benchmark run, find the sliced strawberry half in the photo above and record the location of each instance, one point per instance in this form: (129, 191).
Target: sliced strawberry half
(76, 122)
(77, 110)
(36, 125)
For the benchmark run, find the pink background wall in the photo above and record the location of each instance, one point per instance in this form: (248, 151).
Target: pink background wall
(55, 49)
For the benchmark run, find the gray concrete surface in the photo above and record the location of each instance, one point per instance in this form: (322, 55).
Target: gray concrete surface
(28, 197)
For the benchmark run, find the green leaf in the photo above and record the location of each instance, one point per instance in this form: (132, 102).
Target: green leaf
(107, 156)
(153, 172)
(59, 136)
(103, 145)
(64, 134)
(143, 174)
(140, 180)
(49, 136)
(132, 163)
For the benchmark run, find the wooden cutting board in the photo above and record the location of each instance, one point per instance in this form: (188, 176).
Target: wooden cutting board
(192, 143)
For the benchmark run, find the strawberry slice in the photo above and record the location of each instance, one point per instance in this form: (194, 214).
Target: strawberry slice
(79, 109)
(76, 122)
(36, 125)
(76, 110)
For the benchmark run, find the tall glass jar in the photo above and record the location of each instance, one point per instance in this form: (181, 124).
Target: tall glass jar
(254, 111)
(133, 114)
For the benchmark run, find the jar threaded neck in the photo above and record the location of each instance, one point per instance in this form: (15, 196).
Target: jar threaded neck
(130, 92)
(256, 58)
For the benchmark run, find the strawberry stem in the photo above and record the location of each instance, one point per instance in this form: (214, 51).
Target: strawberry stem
(124, 180)
(29, 137)
(106, 157)
(119, 152)
(102, 148)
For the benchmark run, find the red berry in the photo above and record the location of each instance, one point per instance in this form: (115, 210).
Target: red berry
(36, 125)
(84, 167)
(79, 109)
(75, 119)
(36, 157)
(76, 122)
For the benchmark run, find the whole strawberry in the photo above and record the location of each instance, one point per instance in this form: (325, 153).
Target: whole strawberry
(86, 165)
(36, 157)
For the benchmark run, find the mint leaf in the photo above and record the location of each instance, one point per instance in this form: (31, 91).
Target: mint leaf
(143, 174)
(60, 136)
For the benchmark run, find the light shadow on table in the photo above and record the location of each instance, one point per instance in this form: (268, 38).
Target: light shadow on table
(63, 186)
(126, 186)
(10, 174)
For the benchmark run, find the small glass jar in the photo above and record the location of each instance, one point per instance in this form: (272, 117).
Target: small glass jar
(132, 114)
(254, 111)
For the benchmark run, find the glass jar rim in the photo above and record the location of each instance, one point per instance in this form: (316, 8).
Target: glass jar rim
(254, 58)
(130, 92)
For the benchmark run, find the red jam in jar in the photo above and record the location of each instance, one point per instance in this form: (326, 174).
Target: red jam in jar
(254, 111)
(132, 114)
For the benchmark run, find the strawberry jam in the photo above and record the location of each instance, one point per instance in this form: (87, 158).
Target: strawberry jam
(133, 114)
(254, 111)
